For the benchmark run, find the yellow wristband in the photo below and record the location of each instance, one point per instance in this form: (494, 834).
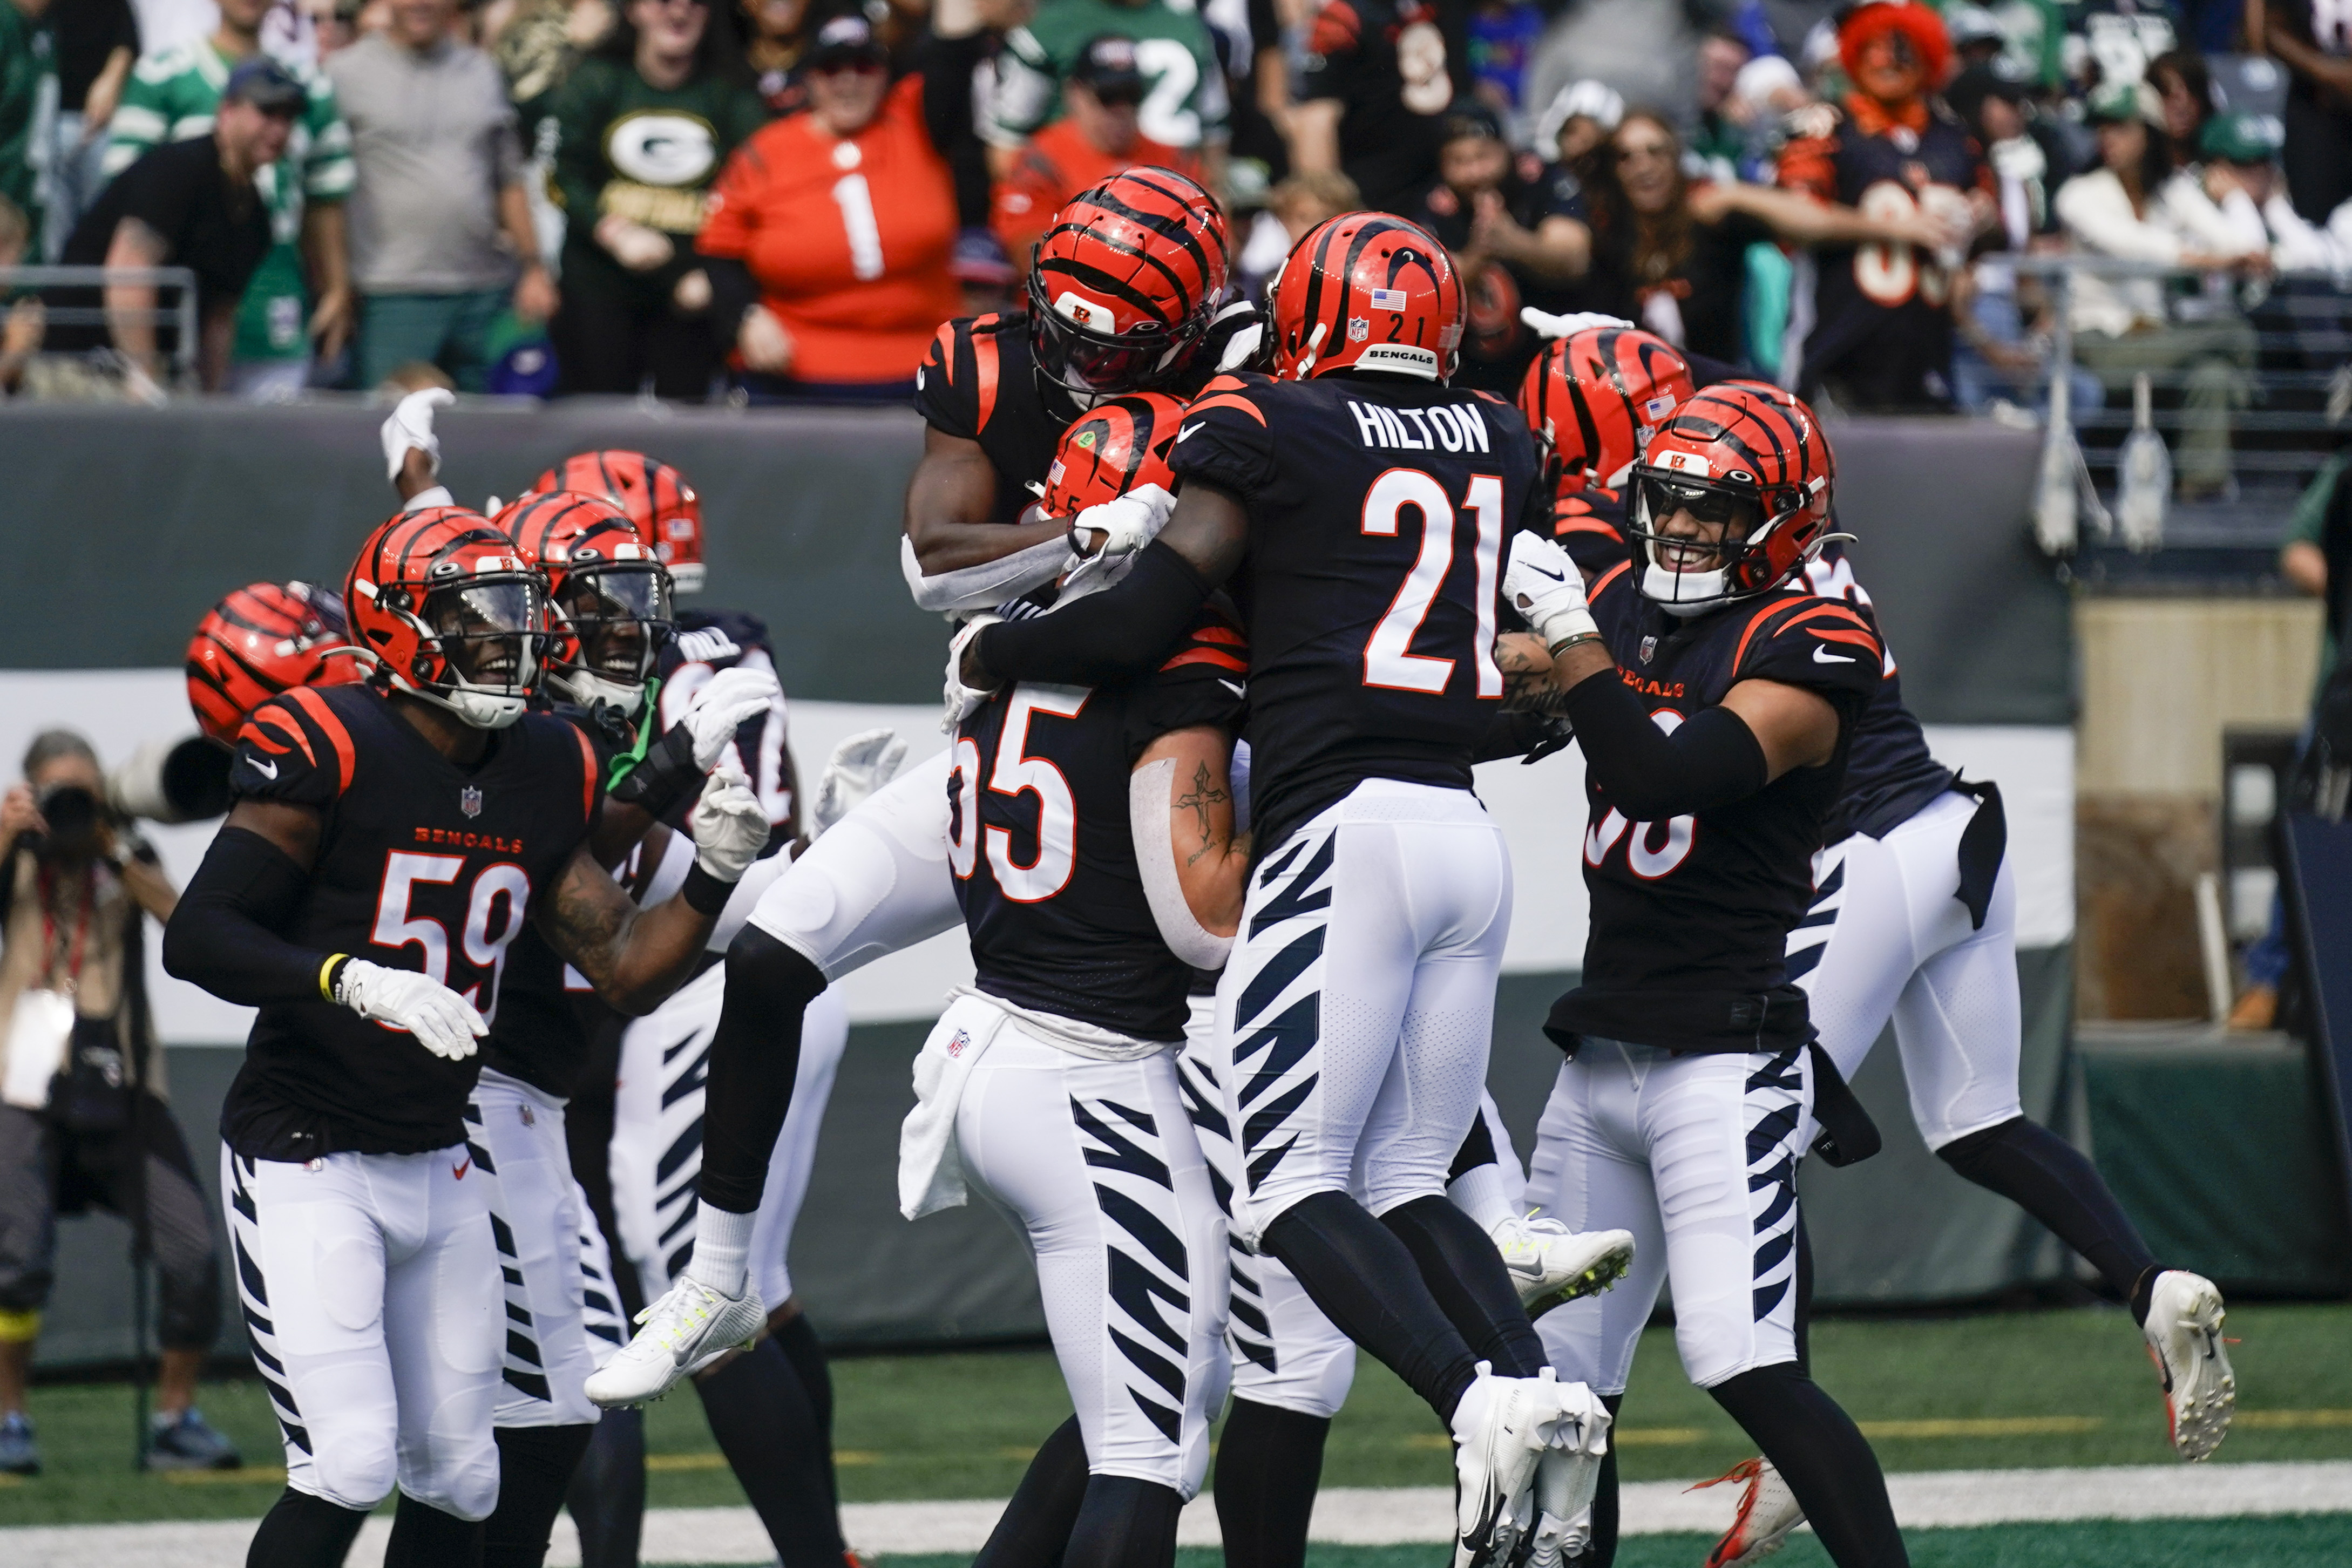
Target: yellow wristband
(326, 970)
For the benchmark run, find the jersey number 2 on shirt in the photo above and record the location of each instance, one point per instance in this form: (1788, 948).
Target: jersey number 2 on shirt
(396, 928)
(1016, 773)
(1388, 660)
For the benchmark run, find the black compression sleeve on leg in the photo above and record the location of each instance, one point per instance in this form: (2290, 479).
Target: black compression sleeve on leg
(1269, 1464)
(1473, 1288)
(1804, 1313)
(1600, 1546)
(1824, 1458)
(425, 1537)
(1125, 1524)
(804, 1352)
(2048, 1177)
(1477, 1149)
(304, 1531)
(1711, 760)
(535, 1468)
(755, 1054)
(1035, 1528)
(1366, 1280)
(761, 1416)
(607, 1501)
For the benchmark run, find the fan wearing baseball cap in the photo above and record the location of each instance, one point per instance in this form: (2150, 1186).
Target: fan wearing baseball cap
(1099, 136)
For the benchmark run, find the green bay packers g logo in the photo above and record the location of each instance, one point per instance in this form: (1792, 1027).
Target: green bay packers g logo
(662, 147)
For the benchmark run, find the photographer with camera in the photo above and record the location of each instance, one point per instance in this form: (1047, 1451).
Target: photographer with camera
(82, 1117)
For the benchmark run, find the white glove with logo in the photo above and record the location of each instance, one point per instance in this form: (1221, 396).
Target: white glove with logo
(962, 701)
(731, 827)
(858, 767)
(1105, 538)
(1543, 584)
(1551, 327)
(444, 1022)
(410, 428)
(727, 701)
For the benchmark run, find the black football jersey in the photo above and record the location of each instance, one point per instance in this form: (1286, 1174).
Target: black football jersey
(1377, 507)
(1691, 916)
(1881, 313)
(708, 642)
(1590, 525)
(1042, 847)
(977, 383)
(422, 865)
(1889, 772)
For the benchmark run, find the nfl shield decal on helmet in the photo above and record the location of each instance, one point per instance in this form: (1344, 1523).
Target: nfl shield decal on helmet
(469, 800)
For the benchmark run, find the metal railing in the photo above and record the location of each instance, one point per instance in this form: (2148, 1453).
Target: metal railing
(180, 315)
(2262, 360)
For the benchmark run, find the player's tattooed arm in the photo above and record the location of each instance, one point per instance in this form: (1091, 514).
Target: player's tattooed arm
(1527, 676)
(1195, 868)
(950, 502)
(635, 958)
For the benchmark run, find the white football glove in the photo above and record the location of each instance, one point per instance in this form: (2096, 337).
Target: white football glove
(1551, 327)
(444, 1022)
(727, 701)
(409, 427)
(858, 767)
(1543, 584)
(962, 701)
(731, 827)
(1122, 527)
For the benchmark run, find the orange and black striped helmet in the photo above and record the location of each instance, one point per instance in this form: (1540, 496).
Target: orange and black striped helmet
(1595, 397)
(263, 639)
(608, 599)
(1114, 447)
(1747, 455)
(1124, 283)
(668, 512)
(1369, 292)
(451, 613)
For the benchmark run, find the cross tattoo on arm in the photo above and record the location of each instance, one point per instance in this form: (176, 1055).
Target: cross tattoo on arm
(1204, 794)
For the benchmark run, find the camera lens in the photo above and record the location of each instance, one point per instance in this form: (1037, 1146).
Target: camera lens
(70, 810)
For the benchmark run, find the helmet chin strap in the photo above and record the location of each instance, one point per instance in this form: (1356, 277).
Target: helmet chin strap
(1661, 586)
(588, 689)
(480, 706)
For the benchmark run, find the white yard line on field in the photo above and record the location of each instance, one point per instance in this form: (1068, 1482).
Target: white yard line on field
(1343, 1515)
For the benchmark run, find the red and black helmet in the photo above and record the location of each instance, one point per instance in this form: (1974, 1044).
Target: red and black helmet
(1366, 292)
(1747, 455)
(1125, 281)
(668, 512)
(608, 599)
(1594, 398)
(263, 639)
(1114, 447)
(450, 612)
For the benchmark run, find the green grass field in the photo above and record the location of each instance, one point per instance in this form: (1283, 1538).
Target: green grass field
(1998, 1390)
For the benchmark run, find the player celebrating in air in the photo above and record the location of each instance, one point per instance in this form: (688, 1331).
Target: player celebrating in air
(1359, 506)
(389, 842)
(1715, 705)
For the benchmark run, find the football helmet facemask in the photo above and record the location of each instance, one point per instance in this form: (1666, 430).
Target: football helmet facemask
(608, 599)
(1746, 462)
(1124, 284)
(448, 612)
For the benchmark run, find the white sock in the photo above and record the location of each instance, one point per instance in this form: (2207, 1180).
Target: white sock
(722, 1248)
(1479, 1193)
(1472, 1408)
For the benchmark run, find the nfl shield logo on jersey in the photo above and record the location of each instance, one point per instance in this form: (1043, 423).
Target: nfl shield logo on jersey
(957, 1046)
(470, 799)
(1649, 646)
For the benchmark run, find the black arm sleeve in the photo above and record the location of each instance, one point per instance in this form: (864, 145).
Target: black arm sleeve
(732, 292)
(223, 935)
(1713, 759)
(1113, 634)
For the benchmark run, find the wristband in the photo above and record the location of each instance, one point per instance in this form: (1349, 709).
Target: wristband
(1571, 640)
(665, 776)
(704, 893)
(329, 972)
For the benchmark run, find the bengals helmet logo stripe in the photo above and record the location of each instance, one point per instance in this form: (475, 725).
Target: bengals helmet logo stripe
(1116, 447)
(1588, 397)
(1129, 196)
(1324, 317)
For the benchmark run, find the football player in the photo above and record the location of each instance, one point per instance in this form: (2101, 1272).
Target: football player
(1353, 1016)
(264, 639)
(389, 842)
(1716, 702)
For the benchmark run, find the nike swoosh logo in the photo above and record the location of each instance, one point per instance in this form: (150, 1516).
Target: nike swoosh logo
(459, 1171)
(1187, 431)
(266, 769)
(1532, 566)
(1824, 656)
(1231, 687)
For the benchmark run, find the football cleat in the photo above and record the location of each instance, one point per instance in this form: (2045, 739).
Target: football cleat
(1549, 1264)
(1501, 1429)
(2184, 1340)
(688, 1328)
(1768, 1515)
(1567, 1475)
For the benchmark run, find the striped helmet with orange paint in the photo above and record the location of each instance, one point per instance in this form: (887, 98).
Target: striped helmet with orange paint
(1732, 498)
(1124, 284)
(668, 512)
(1366, 292)
(1594, 399)
(263, 639)
(1114, 447)
(608, 599)
(446, 607)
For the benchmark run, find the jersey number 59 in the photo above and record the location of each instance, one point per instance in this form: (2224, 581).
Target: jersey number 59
(487, 929)
(1389, 659)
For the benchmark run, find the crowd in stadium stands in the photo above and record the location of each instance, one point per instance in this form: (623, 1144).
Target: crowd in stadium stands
(778, 200)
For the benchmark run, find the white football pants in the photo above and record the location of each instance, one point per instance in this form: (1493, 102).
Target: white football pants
(551, 1254)
(1696, 1155)
(370, 1286)
(1097, 1162)
(1354, 1015)
(876, 883)
(656, 1152)
(1887, 937)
